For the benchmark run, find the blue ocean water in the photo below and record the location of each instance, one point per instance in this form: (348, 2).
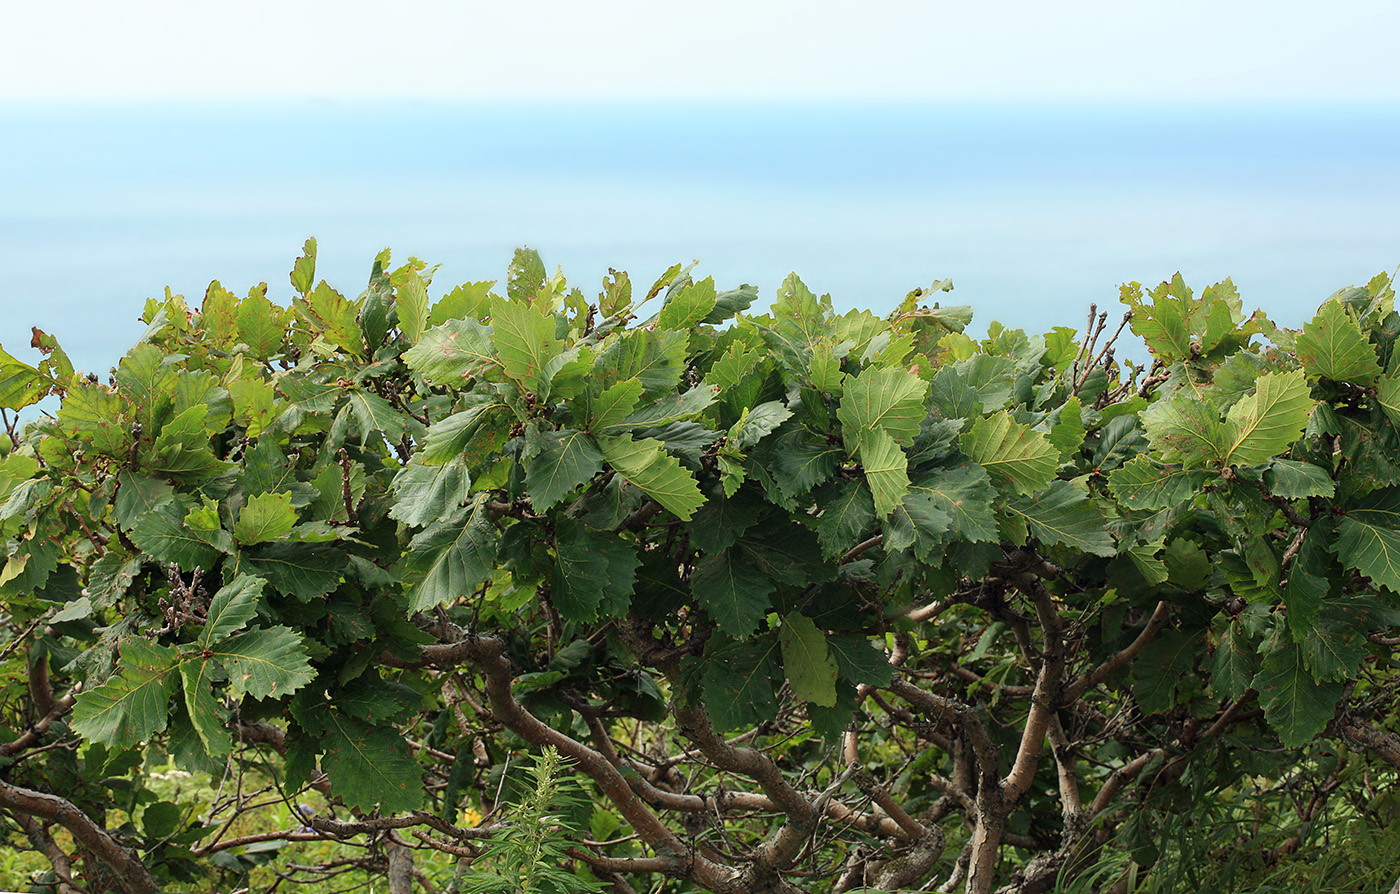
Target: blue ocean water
(1034, 210)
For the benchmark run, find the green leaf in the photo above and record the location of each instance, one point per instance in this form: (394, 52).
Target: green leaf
(424, 493)
(594, 572)
(845, 516)
(952, 396)
(1332, 647)
(796, 462)
(450, 560)
(860, 661)
(1298, 708)
(469, 435)
(165, 537)
(182, 449)
(656, 358)
(1144, 483)
(991, 378)
(1235, 662)
(1015, 456)
(207, 715)
(234, 605)
(673, 408)
(919, 521)
(1267, 422)
(413, 306)
(525, 276)
(885, 400)
(377, 700)
(609, 410)
(524, 338)
(565, 460)
(737, 682)
(1333, 346)
(94, 414)
(964, 492)
(659, 475)
(1294, 480)
(110, 577)
(1388, 395)
(688, 306)
(1372, 549)
(21, 385)
(133, 705)
(832, 723)
(1068, 431)
(1143, 557)
(470, 300)
(808, 663)
(1163, 324)
(1186, 429)
(304, 270)
(370, 765)
(138, 495)
(723, 521)
(262, 325)
(332, 315)
(1063, 514)
(732, 591)
(453, 352)
(374, 413)
(264, 662)
(886, 469)
(265, 517)
(254, 404)
(1165, 662)
(757, 423)
(304, 570)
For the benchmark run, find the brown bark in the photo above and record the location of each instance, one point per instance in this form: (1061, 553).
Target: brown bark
(96, 841)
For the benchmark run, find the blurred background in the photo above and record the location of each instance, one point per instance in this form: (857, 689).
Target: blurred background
(1039, 155)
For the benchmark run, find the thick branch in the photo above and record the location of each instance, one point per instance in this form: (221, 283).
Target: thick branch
(1047, 685)
(95, 840)
(43, 842)
(801, 813)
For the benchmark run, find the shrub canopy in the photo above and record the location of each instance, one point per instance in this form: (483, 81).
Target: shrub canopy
(808, 600)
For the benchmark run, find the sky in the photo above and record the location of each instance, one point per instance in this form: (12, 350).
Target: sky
(1150, 50)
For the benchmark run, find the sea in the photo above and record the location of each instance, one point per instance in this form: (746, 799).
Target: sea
(1035, 211)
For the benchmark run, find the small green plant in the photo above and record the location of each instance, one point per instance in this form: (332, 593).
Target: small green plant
(527, 855)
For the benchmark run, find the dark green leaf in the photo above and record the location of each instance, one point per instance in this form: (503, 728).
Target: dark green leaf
(370, 765)
(738, 683)
(424, 494)
(1063, 514)
(1297, 707)
(234, 605)
(264, 662)
(594, 572)
(1235, 662)
(565, 460)
(732, 591)
(133, 705)
(450, 560)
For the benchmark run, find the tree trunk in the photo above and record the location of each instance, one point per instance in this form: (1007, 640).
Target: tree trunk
(400, 867)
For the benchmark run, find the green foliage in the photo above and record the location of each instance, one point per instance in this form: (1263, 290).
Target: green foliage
(391, 529)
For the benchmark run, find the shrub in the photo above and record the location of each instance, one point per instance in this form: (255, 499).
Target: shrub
(806, 600)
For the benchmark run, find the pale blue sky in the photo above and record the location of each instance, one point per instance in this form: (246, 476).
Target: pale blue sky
(1249, 50)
